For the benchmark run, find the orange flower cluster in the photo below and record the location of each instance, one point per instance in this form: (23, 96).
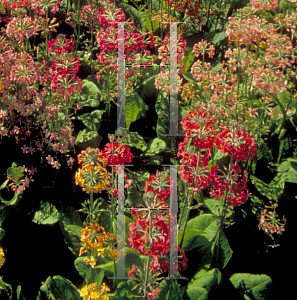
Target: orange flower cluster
(92, 176)
(94, 237)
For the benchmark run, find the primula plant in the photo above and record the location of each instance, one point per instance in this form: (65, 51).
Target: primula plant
(147, 214)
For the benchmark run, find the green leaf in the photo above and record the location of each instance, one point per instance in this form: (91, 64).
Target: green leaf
(132, 13)
(253, 286)
(19, 293)
(206, 279)
(131, 257)
(13, 200)
(88, 138)
(272, 191)
(2, 233)
(58, 288)
(5, 290)
(219, 37)
(71, 227)
(134, 109)
(188, 60)
(90, 93)
(48, 214)
(288, 170)
(4, 184)
(225, 251)
(197, 293)
(98, 275)
(81, 266)
(4, 212)
(134, 140)
(170, 290)
(154, 147)
(200, 232)
(92, 120)
(123, 291)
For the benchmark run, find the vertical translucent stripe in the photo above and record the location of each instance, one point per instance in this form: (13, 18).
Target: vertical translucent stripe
(173, 223)
(120, 226)
(173, 270)
(121, 82)
(173, 125)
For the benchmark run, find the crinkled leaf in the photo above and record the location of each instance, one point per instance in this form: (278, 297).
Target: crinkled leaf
(134, 109)
(169, 290)
(90, 93)
(88, 138)
(58, 287)
(154, 147)
(206, 279)
(254, 286)
(92, 120)
(48, 214)
(197, 293)
(134, 140)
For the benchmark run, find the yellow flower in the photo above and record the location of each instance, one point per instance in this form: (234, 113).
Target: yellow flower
(2, 258)
(1, 87)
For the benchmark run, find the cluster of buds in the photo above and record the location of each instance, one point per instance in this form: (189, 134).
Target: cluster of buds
(95, 238)
(90, 292)
(92, 177)
(234, 142)
(150, 235)
(269, 221)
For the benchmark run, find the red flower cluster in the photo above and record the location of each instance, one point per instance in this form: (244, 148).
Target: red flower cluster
(115, 154)
(196, 153)
(157, 235)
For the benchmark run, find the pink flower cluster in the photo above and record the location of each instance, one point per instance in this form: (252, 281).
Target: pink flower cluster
(63, 69)
(20, 27)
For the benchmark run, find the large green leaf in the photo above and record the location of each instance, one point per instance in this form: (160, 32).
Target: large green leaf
(71, 227)
(90, 93)
(133, 139)
(58, 287)
(200, 231)
(170, 290)
(134, 109)
(288, 170)
(254, 286)
(206, 279)
(154, 147)
(92, 120)
(197, 293)
(98, 275)
(48, 214)
(131, 257)
(273, 190)
(88, 138)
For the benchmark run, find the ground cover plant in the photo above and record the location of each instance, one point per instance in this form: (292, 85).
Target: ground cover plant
(101, 196)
